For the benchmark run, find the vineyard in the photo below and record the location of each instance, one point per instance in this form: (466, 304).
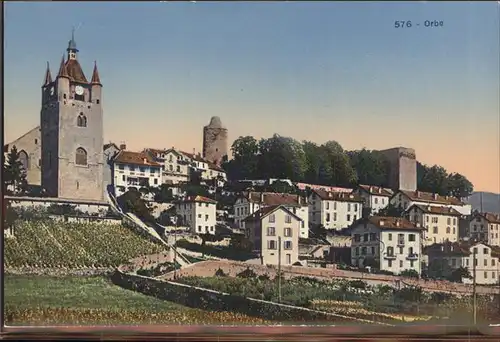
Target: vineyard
(95, 301)
(48, 244)
(351, 298)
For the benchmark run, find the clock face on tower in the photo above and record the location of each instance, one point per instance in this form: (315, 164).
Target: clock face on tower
(79, 90)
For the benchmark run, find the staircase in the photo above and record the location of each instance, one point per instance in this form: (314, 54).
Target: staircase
(138, 223)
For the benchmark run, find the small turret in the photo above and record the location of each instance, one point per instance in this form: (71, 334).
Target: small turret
(48, 77)
(95, 76)
(63, 81)
(96, 85)
(63, 72)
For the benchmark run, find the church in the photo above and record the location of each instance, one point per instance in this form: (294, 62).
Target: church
(65, 154)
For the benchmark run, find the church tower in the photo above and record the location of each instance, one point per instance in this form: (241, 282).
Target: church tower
(71, 122)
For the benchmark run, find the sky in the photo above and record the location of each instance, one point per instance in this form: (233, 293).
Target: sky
(313, 71)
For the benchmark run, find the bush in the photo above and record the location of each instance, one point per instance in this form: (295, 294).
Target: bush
(220, 273)
(158, 270)
(248, 273)
(358, 284)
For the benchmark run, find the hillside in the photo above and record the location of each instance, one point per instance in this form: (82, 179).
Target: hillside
(58, 244)
(491, 201)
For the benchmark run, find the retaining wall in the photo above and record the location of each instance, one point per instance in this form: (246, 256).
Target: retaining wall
(217, 301)
(231, 268)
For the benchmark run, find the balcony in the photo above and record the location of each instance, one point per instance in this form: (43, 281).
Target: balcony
(390, 257)
(401, 243)
(412, 256)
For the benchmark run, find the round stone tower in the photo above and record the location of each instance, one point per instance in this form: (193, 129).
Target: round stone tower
(215, 141)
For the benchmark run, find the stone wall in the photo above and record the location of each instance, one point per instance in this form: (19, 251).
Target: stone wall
(196, 297)
(90, 207)
(232, 268)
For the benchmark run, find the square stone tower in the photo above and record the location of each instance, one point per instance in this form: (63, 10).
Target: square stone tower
(71, 122)
(403, 170)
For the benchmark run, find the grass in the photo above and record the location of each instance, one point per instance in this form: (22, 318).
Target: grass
(42, 300)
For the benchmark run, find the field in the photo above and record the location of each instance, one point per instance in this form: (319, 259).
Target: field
(48, 244)
(40, 300)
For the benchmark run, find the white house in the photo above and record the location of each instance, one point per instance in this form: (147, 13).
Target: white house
(334, 210)
(268, 227)
(375, 197)
(440, 223)
(392, 243)
(175, 166)
(249, 202)
(208, 170)
(199, 213)
(405, 199)
(446, 257)
(134, 170)
(484, 227)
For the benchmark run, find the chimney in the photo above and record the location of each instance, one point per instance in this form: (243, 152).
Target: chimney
(123, 147)
(397, 223)
(379, 190)
(299, 200)
(435, 196)
(381, 222)
(417, 193)
(194, 151)
(144, 160)
(371, 189)
(261, 197)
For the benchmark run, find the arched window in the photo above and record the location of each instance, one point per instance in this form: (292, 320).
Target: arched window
(82, 120)
(24, 159)
(81, 156)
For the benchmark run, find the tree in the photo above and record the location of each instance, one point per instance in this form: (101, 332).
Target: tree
(410, 273)
(15, 173)
(391, 211)
(313, 162)
(281, 157)
(281, 187)
(319, 231)
(371, 167)
(240, 243)
(195, 177)
(131, 201)
(245, 159)
(11, 215)
(163, 194)
(459, 186)
(433, 179)
(458, 274)
(209, 237)
(338, 169)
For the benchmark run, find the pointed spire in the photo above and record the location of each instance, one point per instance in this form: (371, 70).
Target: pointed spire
(95, 76)
(63, 72)
(48, 77)
(72, 42)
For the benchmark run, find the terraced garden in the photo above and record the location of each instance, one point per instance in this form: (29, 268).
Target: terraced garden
(40, 300)
(49, 244)
(351, 298)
